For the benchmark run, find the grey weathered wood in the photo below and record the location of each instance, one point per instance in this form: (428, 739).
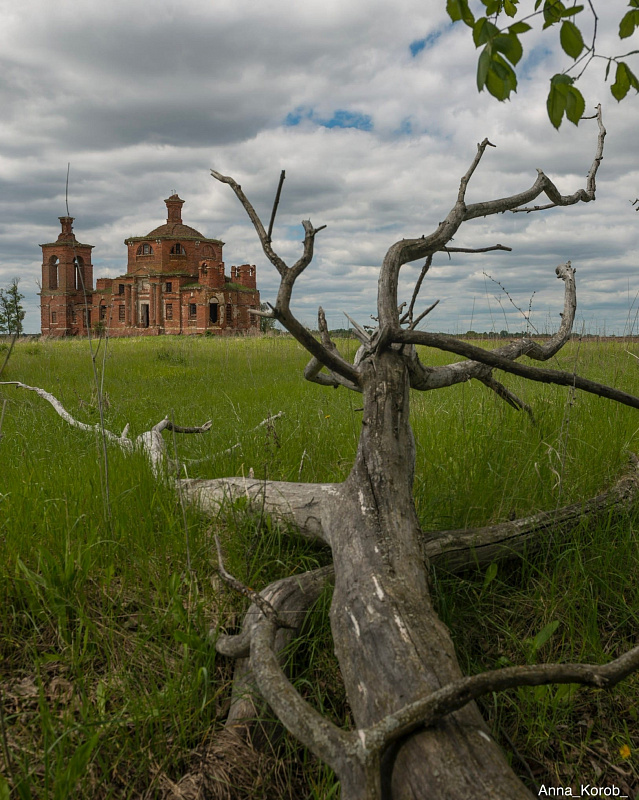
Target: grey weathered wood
(392, 648)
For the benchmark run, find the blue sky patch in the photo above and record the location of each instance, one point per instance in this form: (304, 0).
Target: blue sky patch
(533, 59)
(426, 43)
(341, 118)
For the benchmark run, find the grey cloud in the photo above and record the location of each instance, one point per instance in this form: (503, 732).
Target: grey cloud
(145, 99)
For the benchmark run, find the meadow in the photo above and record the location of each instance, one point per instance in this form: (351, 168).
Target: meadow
(110, 686)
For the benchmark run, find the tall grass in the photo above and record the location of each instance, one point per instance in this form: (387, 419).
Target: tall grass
(108, 676)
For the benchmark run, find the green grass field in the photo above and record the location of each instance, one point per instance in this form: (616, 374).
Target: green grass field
(109, 682)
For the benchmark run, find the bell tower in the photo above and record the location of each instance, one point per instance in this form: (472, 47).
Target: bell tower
(67, 275)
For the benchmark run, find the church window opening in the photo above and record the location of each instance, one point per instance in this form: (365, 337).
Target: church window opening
(78, 273)
(53, 272)
(145, 250)
(121, 311)
(169, 286)
(120, 288)
(103, 310)
(192, 310)
(178, 250)
(229, 313)
(213, 313)
(169, 311)
(54, 316)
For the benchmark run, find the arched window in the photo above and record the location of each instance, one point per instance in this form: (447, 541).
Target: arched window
(145, 250)
(207, 250)
(53, 272)
(178, 250)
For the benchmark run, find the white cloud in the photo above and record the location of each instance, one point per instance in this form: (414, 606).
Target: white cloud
(145, 98)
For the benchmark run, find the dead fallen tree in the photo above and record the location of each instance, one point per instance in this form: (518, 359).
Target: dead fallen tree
(417, 728)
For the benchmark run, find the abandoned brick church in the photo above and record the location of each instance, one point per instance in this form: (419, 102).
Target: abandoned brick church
(174, 283)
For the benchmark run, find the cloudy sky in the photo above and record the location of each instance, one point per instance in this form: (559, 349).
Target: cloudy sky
(370, 106)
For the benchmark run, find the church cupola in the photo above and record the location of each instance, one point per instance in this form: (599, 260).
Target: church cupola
(67, 228)
(174, 208)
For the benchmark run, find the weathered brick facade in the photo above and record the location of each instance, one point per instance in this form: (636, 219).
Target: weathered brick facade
(175, 283)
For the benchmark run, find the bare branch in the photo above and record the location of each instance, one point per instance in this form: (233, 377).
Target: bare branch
(275, 204)
(313, 369)
(150, 442)
(61, 410)
(463, 185)
(289, 597)
(257, 312)
(431, 709)
(408, 316)
(337, 748)
(272, 256)
(322, 326)
(282, 311)
(427, 378)
(255, 597)
(361, 334)
(476, 249)
(309, 243)
(452, 345)
(408, 250)
(313, 373)
(506, 395)
(193, 429)
(416, 322)
(302, 504)
(478, 547)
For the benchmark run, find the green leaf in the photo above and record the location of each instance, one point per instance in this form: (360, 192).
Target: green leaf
(453, 9)
(76, 767)
(571, 39)
(544, 634)
(491, 572)
(553, 12)
(492, 7)
(482, 68)
(519, 27)
(628, 23)
(575, 105)
(501, 79)
(621, 85)
(509, 45)
(4, 789)
(561, 79)
(570, 12)
(537, 4)
(484, 31)
(556, 104)
(510, 8)
(566, 691)
(458, 9)
(608, 69)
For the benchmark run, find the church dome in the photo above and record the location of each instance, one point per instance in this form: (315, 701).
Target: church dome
(174, 230)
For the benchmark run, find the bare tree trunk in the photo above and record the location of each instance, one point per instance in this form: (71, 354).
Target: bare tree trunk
(391, 646)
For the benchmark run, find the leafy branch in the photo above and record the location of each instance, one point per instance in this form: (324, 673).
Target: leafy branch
(502, 50)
